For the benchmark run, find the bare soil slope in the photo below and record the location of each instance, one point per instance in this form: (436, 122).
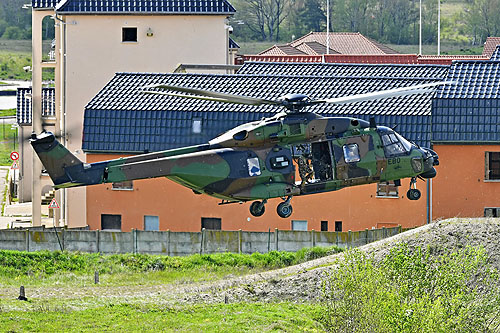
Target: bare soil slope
(303, 282)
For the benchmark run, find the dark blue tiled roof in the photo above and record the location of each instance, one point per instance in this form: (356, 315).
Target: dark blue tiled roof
(347, 70)
(466, 120)
(496, 54)
(233, 44)
(475, 79)
(145, 6)
(44, 3)
(469, 111)
(120, 118)
(24, 108)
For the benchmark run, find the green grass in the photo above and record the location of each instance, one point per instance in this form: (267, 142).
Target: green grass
(7, 144)
(239, 317)
(255, 47)
(78, 304)
(45, 268)
(8, 112)
(12, 63)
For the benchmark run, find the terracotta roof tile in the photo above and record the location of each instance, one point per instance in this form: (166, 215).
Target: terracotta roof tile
(343, 42)
(490, 46)
(314, 43)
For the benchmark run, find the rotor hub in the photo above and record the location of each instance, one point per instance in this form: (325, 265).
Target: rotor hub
(295, 102)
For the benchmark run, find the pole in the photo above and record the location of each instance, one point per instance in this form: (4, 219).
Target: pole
(327, 26)
(439, 27)
(420, 31)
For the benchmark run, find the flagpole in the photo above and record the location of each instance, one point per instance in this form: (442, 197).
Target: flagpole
(439, 27)
(420, 31)
(327, 26)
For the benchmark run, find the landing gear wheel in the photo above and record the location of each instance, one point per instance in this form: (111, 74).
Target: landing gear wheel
(284, 210)
(257, 208)
(413, 194)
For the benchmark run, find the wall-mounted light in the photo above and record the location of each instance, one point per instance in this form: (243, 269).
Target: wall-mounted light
(149, 32)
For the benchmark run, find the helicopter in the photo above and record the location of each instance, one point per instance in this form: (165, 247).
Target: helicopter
(292, 153)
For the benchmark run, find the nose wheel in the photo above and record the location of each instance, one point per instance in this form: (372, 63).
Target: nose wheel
(413, 193)
(284, 209)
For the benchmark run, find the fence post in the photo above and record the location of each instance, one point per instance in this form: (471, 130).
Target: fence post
(349, 239)
(63, 239)
(313, 241)
(336, 238)
(240, 241)
(276, 239)
(269, 240)
(97, 241)
(400, 229)
(202, 241)
(366, 236)
(134, 240)
(168, 242)
(384, 233)
(27, 236)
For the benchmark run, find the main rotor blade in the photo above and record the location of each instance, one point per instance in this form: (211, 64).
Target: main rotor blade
(417, 89)
(210, 95)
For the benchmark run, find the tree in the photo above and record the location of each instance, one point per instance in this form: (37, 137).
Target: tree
(350, 15)
(13, 33)
(264, 17)
(482, 19)
(17, 19)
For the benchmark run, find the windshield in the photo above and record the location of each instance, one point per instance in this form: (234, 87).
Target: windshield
(395, 144)
(405, 142)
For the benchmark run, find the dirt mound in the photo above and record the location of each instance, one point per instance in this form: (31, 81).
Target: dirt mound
(304, 282)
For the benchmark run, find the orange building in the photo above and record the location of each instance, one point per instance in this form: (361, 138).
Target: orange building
(466, 135)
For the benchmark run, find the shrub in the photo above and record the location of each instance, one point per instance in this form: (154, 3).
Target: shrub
(412, 291)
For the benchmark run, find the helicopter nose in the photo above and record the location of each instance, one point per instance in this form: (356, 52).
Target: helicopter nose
(431, 159)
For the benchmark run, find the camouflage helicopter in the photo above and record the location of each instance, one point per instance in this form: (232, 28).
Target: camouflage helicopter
(292, 153)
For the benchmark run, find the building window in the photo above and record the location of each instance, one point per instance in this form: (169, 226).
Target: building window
(324, 225)
(299, 225)
(197, 126)
(123, 186)
(151, 223)
(387, 190)
(129, 34)
(111, 222)
(211, 223)
(338, 225)
(492, 165)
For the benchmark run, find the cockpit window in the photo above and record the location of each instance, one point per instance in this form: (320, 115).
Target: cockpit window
(395, 144)
(405, 142)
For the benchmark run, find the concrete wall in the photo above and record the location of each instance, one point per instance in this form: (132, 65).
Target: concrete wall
(184, 243)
